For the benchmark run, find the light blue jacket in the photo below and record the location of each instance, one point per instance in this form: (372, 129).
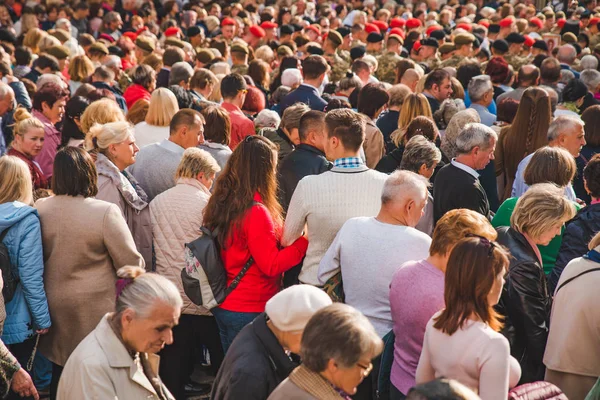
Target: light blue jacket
(28, 309)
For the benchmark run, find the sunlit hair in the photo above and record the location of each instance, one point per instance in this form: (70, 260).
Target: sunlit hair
(473, 266)
(100, 137)
(195, 161)
(595, 242)
(456, 225)
(414, 105)
(249, 170)
(16, 184)
(137, 113)
(101, 112)
(80, 68)
(32, 39)
(550, 164)
(24, 122)
(163, 106)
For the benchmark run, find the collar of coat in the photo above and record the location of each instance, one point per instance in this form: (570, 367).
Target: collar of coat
(314, 384)
(127, 185)
(282, 364)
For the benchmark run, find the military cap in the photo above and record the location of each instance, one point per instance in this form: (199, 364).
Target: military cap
(335, 37)
(515, 37)
(446, 48)
(540, 44)
(145, 43)
(60, 52)
(500, 45)
(438, 34)
(397, 37)
(315, 50)
(344, 31)
(193, 31)
(287, 29)
(100, 47)
(173, 41)
(569, 37)
(374, 37)
(284, 51)
(494, 28)
(204, 56)
(430, 42)
(463, 38)
(357, 52)
(238, 48)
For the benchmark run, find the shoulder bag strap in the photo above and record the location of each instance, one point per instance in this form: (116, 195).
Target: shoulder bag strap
(575, 277)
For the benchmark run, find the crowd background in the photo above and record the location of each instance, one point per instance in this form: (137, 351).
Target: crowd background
(411, 189)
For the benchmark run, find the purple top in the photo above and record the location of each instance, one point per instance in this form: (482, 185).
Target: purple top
(416, 294)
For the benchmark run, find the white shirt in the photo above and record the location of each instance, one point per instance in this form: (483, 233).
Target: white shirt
(465, 168)
(146, 134)
(520, 187)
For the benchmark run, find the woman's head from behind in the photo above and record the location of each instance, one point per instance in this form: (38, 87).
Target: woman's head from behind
(455, 127)
(550, 164)
(415, 105)
(16, 184)
(74, 173)
(138, 112)
(144, 76)
(198, 164)
(473, 284)
(422, 126)
(72, 126)
(591, 117)
(533, 118)
(147, 308)
(339, 343)
(114, 140)
(541, 212)
(101, 112)
(372, 99)
(217, 128)
(28, 133)
(163, 105)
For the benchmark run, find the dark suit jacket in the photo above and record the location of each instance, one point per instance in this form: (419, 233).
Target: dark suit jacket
(33, 75)
(118, 94)
(162, 78)
(304, 94)
(433, 103)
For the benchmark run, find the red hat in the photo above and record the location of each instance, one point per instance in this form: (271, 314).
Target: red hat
(594, 21)
(268, 25)
(370, 28)
(107, 37)
(139, 31)
(537, 22)
(397, 31)
(227, 21)
(466, 27)
(485, 23)
(313, 28)
(506, 22)
(529, 41)
(413, 23)
(417, 46)
(397, 23)
(561, 22)
(383, 27)
(131, 35)
(172, 31)
(257, 31)
(433, 28)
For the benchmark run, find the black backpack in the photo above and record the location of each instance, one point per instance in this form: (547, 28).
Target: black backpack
(10, 283)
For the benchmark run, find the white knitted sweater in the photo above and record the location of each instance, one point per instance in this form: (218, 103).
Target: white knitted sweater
(324, 203)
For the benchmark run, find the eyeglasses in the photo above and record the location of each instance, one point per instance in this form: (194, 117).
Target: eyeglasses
(367, 368)
(243, 91)
(484, 241)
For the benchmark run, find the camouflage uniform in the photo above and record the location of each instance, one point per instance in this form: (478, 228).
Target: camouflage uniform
(241, 69)
(374, 53)
(517, 61)
(456, 61)
(345, 55)
(339, 66)
(356, 42)
(434, 62)
(594, 40)
(387, 67)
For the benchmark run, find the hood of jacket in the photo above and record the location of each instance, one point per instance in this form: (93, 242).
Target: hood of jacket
(12, 213)
(127, 185)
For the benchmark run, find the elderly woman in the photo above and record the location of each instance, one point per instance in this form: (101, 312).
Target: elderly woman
(49, 107)
(100, 112)
(118, 360)
(462, 341)
(286, 136)
(144, 83)
(411, 313)
(116, 150)
(86, 240)
(573, 96)
(571, 358)
(337, 347)
(258, 359)
(176, 220)
(525, 303)
(155, 128)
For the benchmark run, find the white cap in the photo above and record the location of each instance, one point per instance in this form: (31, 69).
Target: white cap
(290, 309)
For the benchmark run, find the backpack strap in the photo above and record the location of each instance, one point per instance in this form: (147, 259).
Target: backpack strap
(592, 255)
(3, 234)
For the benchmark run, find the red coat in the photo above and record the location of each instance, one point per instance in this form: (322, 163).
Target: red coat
(134, 93)
(37, 176)
(257, 236)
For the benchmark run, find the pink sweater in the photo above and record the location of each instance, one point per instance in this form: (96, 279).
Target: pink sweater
(475, 355)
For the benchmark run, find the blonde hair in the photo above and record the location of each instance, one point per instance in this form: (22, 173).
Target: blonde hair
(455, 225)
(163, 106)
(595, 242)
(48, 41)
(540, 209)
(195, 161)
(16, 183)
(100, 137)
(80, 68)
(415, 104)
(215, 96)
(101, 112)
(32, 39)
(24, 121)
(28, 23)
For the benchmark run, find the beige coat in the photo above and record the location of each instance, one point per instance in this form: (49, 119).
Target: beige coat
(102, 369)
(176, 220)
(85, 241)
(304, 384)
(572, 355)
(374, 144)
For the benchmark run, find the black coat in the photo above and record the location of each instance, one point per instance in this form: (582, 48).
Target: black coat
(254, 365)
(578, 233)
(305, 160)
(525, 303)
(116, 92)
(162, 78)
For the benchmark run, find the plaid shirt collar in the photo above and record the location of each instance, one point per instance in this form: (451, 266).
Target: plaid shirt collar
(348, 162)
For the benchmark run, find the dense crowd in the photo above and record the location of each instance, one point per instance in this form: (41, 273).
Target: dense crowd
(301, 199)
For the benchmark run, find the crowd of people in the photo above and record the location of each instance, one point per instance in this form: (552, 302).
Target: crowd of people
(404, 199)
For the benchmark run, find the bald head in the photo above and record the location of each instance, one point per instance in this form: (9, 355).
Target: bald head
(567, 54)
(529, 75)
(411, 78)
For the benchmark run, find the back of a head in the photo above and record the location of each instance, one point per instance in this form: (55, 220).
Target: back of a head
(360, 66)
(371, 98)
(466, 72)
(311, 121)
(291, 77)
(16, 183)
(292, 116)
(397, 95)
(528, 75)
(196, 161)
(218, 125)
(173, 55)
(403, 185)
(202, 78)
(591, 79)
(231, 85)
(475, 135)
(410, 76)
(142, 75)
(591, 118)
(186, 117)
(347, 126)
(591, 175)
(163, 106)
(180, 71)
(574, 90)
(101, 112)
(104, 74)
(529, 128)
(423, 126)
(74, 173)
(566, 54)
(589, 62)
(455, 127)
(479, 86)
(441, 389)
(550, 164)
(100, 137)
(418, 152)
(314, 66)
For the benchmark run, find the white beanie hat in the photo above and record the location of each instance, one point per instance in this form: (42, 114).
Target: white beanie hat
(290, 309)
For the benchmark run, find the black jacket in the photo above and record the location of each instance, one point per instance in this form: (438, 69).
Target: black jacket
(118, 94)
(305, 160)
(585, 155)
(254, 365)
(578, 233)
(162, 78)
(525, 303)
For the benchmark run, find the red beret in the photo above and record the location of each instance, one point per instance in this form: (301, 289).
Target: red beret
(172, 31)
(313, 28)
(131, 35)
(594, 21)
(485, 23)
(506, 22)
(537, 22)
(397, 23)
(227, 21)
(143, 29)
(561, 22)
(529, 41)
(268, 25)
(397, 31)
(107, 37)
(433, 28)
(416, 46)
(257, 31)
(370, 28)
(383, 27)
(466, 27)
(413, 23)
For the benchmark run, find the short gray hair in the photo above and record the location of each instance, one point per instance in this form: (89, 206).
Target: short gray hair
(112, 61)
(588, 62)
(5, 90)
(474, 135)
(420, 151)
(590, 78)
(267, 119)
(479, 86)
(292, 115)
(180, 71)
(566, 54)
(341, 333)
(220, 68)
(562, 124)
(403, 184)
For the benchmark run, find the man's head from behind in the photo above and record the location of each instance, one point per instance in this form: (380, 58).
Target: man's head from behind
(314, 69)
(345, 133)
(404, 197)
(566, 54)
(234, 89)
(529, 75)
(550, 70)
(312, 129)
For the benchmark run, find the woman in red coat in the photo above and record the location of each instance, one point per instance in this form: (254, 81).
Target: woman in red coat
(245, 210)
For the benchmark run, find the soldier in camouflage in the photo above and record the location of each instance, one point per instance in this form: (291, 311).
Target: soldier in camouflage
(515, 47)
(428, 53)
(388, 62)
(338, 65)
(239, 58)
(375, 44)
(463, 42)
